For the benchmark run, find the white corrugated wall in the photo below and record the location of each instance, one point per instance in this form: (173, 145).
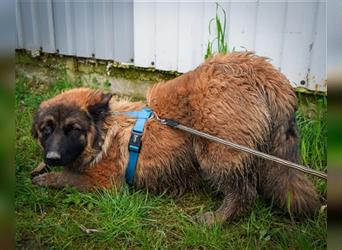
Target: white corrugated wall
(99, 29)
(173, 35)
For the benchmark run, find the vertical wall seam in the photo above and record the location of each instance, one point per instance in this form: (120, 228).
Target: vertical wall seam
(86, 31)
(34, 26)
(326, 42)
(91, 32)
(256, 24)
(104, 22)
(114, 33)
(229, 7)
(51, 25)
(68, 27)
(313, 35)
(155, 33)
(133, 37)
(19, 24)
(133, 31)
(282, 46)
(202, 30)
(178, 40)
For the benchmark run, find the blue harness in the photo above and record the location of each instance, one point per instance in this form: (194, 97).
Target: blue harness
(134, 144)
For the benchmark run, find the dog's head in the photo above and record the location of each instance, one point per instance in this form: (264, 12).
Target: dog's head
(66, 124)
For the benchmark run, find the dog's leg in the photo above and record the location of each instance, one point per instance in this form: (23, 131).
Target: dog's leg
(234, 203)
(81, 182)
(37, 170)
(229, 173)
(229, 207)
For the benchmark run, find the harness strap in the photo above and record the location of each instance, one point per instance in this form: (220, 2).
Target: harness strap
(134, 144)
(138, 129)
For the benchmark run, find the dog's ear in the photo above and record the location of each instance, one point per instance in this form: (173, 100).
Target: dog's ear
(98, 104)
(34, 131)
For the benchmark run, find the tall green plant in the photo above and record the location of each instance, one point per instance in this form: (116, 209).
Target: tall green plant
(312, 122)
(222, 46)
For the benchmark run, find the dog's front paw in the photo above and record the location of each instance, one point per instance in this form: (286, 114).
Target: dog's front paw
(47, 179)
(38, 170)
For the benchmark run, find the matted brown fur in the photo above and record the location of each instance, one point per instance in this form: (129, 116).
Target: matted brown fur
(239, 97)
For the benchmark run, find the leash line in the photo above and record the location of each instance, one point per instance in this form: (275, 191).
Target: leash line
(174, 124)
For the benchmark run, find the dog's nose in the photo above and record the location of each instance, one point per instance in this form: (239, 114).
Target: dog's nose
(52, 155)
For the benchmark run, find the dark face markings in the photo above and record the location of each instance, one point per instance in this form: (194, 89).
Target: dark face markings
(63, 134)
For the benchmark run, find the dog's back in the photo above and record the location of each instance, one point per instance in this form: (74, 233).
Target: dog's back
(243, 98)
(274, 110)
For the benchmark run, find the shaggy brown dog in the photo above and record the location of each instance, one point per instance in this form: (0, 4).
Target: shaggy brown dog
(239, 97)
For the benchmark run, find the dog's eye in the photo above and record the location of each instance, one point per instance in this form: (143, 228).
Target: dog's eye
(72, 128)
(47, 130)
(76, 128)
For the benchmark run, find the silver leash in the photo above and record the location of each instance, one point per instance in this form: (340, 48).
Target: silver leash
(290, 164)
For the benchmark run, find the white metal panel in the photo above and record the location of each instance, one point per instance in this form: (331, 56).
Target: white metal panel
(144, 34)
(317, 72)
(123, 31)
(269, 34)
(51, 28)
(64, 27)
(300, 25)
(70, 28)
(144, 30)
(87, 28)
(8, 38)
(18, 22)
(189, 35)
(280, 30)
(103, 31)
(83, 32)
(242, 23)
(29, 41)
(43, 20)
(334, 36)
(36, 42)
(167, 24)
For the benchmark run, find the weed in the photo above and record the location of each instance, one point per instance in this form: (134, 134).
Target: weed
(312, 122)
(222, 46)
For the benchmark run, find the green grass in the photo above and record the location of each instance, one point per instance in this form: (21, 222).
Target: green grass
(312, 121)
(59, 219)
(220, 29)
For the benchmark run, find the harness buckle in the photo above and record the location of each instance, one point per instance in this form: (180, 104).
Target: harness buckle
(135, 141)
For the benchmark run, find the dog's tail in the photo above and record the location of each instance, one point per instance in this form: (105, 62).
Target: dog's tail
(288, 188)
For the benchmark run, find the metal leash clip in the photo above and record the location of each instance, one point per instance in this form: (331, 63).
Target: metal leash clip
(162, 121)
